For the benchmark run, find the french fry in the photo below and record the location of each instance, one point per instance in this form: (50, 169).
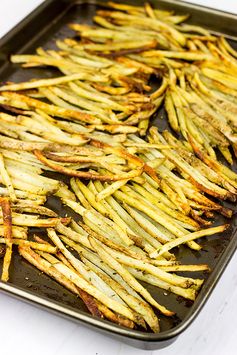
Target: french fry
(188, 293)
(156, 271)
(178, 55)
(115, 265)
(46, 267)
(34, 221)
(84, 175)
(7, 231)
(110, 189)
(84, 285)
(50, 109)
(199, 267)
(75, 236)
(33, 245)
(96, 308)
(137, 305)
(6, 179)
(17, 232)
(115, 317)
(21, 207)
(189, 237)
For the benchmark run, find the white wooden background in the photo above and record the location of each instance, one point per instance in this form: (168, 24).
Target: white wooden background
(25, 329)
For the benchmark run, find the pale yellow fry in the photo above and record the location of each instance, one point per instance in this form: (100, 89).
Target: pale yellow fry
(106, 257)
(139, 306)
(90, 196)
(147, 145)
(93, 291)
(187, 238)
(172, 116)
(192, 56)
(76, 278)
(189, 293)
(76, 236)
(110, 189)
(175, 268)
(43, 82)
(151, 269)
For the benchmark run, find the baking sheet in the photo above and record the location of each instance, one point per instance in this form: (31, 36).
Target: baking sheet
(47, 24)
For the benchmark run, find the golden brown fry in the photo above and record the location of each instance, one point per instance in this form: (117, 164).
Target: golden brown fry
(7, 225)
(22, 207)
(17, 232)
(131, 158)
(49, 109)
(82, 174)
(46, 267)
(37, 246)
(114, 317)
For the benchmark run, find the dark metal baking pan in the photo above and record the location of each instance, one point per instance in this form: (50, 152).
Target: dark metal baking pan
(41, 28)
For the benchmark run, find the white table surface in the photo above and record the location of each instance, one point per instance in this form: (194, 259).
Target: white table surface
(24, 329)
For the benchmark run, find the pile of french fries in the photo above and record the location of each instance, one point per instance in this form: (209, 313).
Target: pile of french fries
(136, 198)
